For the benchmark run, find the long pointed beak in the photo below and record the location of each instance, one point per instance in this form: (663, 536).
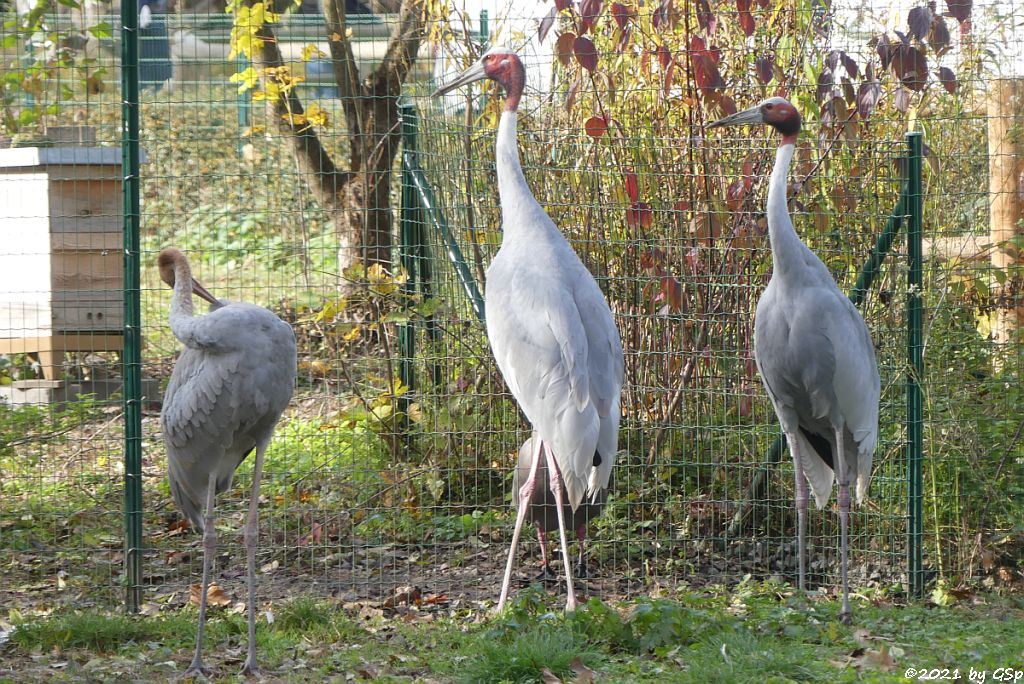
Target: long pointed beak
(198, 289)
(474, 73)
(747, 116)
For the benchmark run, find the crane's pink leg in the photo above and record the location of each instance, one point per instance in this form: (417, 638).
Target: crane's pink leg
(556, 489)
(545, 566)
(581, 537)
(842, 474)
(801, 508)
(209, 553)
(525, 492)
(251, 538)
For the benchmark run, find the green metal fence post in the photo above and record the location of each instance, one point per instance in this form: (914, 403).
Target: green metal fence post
(131, 357)
(407, 251)
(485, 34)
(244, 107)
(915, 418)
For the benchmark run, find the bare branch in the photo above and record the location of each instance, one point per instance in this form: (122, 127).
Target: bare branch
(346, 75)
(403, 45)
(312, 157)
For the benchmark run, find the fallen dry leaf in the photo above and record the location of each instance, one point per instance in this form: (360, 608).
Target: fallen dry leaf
(584, 675)
(215, 596)
(404, 596)
(871, 659)
(549, 677)
(369, 671)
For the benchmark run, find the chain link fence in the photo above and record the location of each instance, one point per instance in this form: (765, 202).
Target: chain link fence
(391, 468)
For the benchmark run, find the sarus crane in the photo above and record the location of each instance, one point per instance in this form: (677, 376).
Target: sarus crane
(227, 391)
(815, 355)
(550, 329)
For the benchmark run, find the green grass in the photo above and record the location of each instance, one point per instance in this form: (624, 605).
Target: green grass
(757, 632)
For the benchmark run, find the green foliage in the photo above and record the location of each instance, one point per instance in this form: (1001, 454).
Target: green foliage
(89, 630)
(521, 656)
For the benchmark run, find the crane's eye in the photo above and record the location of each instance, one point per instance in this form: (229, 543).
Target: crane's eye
(769, 106)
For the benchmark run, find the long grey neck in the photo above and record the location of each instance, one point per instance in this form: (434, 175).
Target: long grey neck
(516, 199)
(181, 302)
(788, 251)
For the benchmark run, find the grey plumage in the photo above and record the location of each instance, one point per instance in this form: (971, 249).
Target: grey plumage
(814, 353)
(228, 389)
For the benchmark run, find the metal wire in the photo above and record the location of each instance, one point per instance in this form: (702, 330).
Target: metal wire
(392, 466)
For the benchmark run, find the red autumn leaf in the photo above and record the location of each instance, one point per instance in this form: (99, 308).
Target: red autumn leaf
(570, 95)
(959, 9)
(938, 38)
(707, 21)
(681, 205)
(763, 4)
(664, 15)
(746, 19)
(920, 21)
(948, 79)
(885, 49)
(621, 14)
(596, 126)
(902, 100)
(728, 105)
(590, 10)
(910, 65)
(586, 53)
(851, 66)
(632, 187)
(667, 84)
(563, 47)
(640, 214)
(867, 97)
(765, 69)
(562, 4)
(664, 56)
(706, 74)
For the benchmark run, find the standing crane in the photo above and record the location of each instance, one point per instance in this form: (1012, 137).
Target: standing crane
(550, 329)
(226, 393)
(542, 510)
(815, 355)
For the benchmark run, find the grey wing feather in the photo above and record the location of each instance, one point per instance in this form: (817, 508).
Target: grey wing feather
(228, 388)
(858, 390)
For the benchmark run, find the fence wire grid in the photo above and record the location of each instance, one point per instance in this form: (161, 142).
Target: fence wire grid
(392, 466)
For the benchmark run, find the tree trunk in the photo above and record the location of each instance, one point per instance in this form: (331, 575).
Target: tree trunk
(359, 197)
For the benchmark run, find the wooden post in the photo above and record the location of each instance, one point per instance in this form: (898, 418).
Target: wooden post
(1006, 193)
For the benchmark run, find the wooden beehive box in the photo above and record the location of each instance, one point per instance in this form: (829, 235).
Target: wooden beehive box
(61, 262)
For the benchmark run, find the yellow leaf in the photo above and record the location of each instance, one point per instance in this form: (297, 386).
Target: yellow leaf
(352, 334)
(245, 79)
(334, 37)
(311, 51)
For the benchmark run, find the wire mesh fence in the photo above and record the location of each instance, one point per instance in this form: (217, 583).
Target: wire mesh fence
(392, 466)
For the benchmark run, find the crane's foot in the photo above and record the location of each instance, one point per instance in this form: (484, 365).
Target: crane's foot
(545, 575)
(250, 669)
(846, 617)
(195, 671)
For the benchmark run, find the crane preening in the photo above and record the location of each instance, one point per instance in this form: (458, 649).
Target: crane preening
(551, 331)
(815, 355)
(227, 391)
